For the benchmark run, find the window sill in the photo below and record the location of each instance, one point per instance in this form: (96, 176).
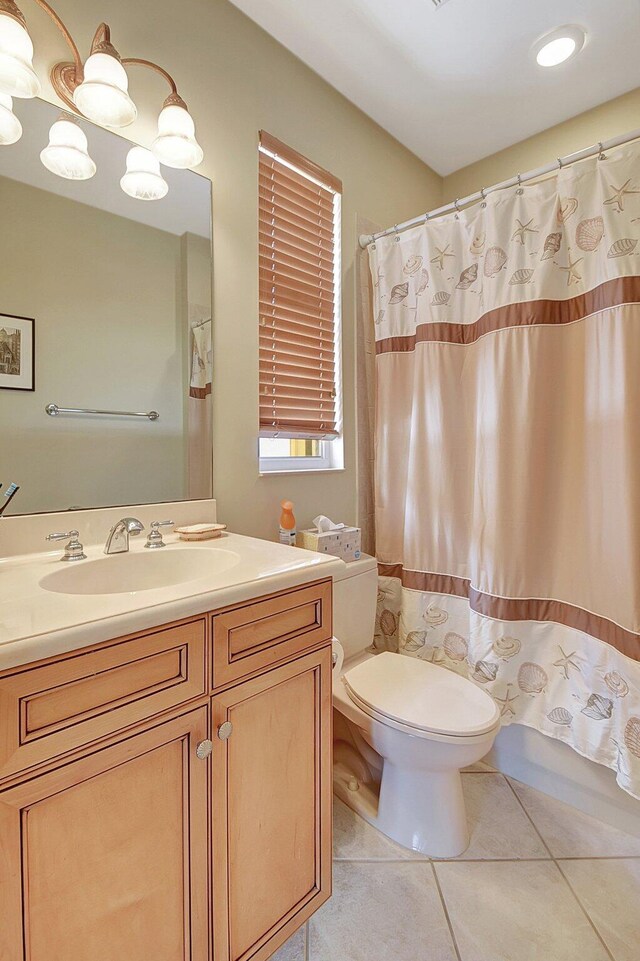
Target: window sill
(301, 470)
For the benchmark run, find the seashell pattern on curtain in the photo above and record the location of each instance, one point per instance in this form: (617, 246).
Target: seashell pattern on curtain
(508, 452)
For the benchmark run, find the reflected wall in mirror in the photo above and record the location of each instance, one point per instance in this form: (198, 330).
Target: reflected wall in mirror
(120, 290)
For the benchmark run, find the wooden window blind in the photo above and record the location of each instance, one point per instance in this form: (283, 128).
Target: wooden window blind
(298, 216)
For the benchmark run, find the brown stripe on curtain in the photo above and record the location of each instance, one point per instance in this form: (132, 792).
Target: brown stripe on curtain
(200, 392)
(518, 609)
(428, 582)
(613, 293)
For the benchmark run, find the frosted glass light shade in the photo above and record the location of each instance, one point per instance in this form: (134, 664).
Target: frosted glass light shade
(17, 76)
(143, 180)
(10, 126)
(102, 96)
(176, 144)
(67, 154)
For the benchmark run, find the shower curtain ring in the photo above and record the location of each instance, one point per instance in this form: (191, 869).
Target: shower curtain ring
(560, 164)
(484, 197)
(602, 155)
(519, 190)
(395, 227)
(455, 204)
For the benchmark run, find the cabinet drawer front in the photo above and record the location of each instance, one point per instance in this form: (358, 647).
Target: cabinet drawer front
(257, 635)
(49, 710)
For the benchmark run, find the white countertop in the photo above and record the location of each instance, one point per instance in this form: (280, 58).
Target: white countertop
(36, 623)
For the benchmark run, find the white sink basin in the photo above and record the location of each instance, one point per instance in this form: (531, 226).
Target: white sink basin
(142, 571)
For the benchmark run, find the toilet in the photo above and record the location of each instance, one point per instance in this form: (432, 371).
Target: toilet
(403, 728)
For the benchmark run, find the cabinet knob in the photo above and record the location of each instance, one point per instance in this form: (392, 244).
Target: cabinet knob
(204, 749)
(225, 731)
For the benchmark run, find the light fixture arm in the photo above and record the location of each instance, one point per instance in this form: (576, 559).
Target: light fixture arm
(174, 97)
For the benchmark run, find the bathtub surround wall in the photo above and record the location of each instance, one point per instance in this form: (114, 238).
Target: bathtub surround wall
(506, 508)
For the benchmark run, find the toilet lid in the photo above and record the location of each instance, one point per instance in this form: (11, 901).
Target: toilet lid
(421, 695)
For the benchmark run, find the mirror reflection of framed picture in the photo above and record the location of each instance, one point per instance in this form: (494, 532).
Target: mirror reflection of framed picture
(17, 352)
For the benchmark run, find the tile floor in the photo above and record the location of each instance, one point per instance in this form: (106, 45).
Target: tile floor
(540, 881)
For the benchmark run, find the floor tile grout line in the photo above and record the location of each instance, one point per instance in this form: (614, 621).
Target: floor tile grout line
(457, 860)
(306, 941)
(463, 860)
(584, 910)
(446, 912)
(562, 874)
(398, 860)
(598, 857)
(531, 821)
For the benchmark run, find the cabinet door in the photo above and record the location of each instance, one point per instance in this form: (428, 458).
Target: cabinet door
(106, 857)
(271, 806)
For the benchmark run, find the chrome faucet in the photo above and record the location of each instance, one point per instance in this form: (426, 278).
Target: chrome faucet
(118, 539)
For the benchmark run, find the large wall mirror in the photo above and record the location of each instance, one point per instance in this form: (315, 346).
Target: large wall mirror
(105, 305)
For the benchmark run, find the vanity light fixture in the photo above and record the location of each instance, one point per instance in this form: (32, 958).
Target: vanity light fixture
(10, 126)
(143, 180)
(559, 46)
(97, 90)
(67, 153)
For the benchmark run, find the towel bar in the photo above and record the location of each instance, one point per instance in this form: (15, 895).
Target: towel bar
(53, 410)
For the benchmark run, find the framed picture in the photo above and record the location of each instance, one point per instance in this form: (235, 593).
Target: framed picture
(17, 353)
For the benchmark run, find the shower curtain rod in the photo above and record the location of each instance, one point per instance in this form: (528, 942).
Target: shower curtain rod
(596, 149)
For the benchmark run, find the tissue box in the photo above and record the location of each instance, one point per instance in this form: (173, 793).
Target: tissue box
(343, 543)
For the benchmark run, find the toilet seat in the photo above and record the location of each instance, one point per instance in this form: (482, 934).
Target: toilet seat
(420, 697)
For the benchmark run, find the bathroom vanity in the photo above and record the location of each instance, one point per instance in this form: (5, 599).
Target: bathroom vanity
(165, 715)
(165, 792)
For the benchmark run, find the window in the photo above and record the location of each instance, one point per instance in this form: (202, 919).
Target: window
(299, 310)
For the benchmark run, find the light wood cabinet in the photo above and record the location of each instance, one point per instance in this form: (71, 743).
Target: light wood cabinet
(271, 806)
(106, 857)
(132, 827)
(49, 709)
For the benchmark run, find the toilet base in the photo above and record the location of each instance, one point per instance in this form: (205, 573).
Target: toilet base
(423, 811)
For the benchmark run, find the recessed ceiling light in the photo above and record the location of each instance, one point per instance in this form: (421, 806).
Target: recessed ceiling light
(559, 46)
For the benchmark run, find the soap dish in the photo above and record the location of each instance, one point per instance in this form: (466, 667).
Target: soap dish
(200, 532)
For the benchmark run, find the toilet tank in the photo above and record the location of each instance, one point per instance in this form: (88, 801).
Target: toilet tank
(355, 592)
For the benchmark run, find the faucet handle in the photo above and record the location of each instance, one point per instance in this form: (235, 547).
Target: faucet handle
(154, 538)
(74, 551)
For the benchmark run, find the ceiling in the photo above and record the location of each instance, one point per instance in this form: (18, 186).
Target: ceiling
(457, 83)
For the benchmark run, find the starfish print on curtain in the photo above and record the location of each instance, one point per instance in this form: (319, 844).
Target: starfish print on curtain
(573, 275)
(440, 256)
(619, 193)
(522, 229)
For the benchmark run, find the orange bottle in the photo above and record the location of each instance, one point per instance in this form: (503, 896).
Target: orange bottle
(287, 524)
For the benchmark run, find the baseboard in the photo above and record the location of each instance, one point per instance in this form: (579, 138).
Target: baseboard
(554, 768)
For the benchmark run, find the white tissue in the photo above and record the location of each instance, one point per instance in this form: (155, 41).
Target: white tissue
(324, 524)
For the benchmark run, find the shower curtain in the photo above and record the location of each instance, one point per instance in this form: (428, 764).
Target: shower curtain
(508, 452)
